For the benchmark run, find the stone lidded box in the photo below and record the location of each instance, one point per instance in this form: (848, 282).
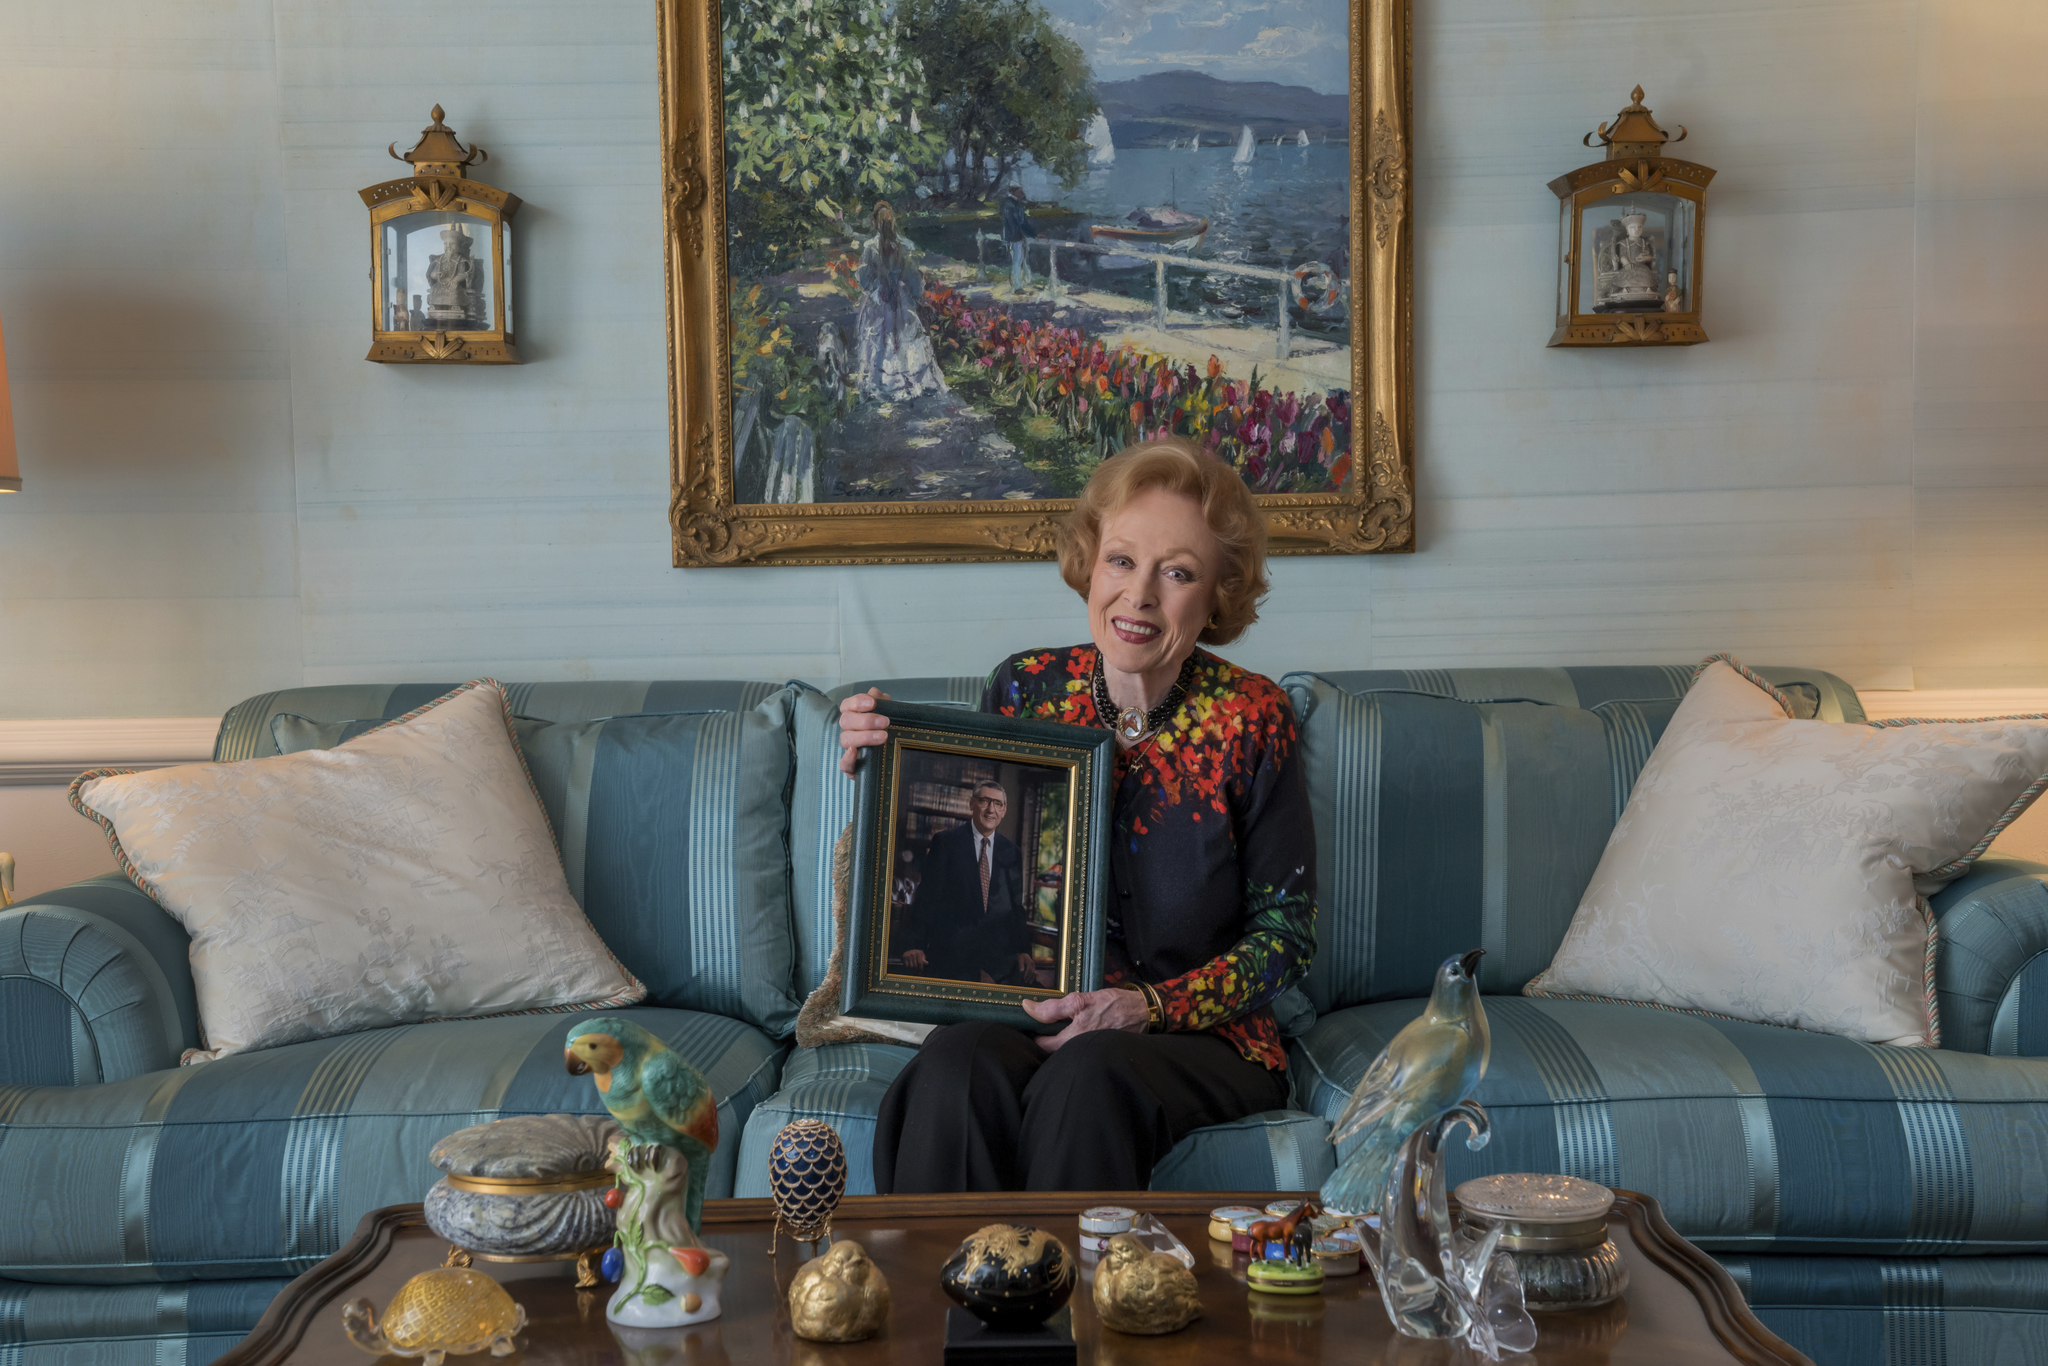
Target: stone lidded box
(525, 1188)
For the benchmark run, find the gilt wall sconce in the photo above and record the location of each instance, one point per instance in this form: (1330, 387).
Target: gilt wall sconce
(441, 259)
(1630, 230)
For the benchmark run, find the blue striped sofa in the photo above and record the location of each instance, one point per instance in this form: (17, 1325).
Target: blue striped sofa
(1874, 1203)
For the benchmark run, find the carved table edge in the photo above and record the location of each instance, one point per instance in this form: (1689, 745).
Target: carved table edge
(1728, 1315)
(284, 1322)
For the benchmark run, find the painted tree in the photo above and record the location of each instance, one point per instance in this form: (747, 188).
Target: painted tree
(822, 101)
(1003, 83)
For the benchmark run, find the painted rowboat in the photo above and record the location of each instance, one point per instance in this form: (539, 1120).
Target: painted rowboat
(1153, 227)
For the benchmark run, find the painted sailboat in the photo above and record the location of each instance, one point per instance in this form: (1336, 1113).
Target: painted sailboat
(1247, 146)
(1161, 225)
(1196, 145)
(1302, 139)
(1101, 152)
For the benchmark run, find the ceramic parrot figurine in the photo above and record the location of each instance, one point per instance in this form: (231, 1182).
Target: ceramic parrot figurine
(1432, 1064)
(655, 1095)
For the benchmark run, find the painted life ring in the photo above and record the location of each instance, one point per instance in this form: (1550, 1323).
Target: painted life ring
(1315, 285)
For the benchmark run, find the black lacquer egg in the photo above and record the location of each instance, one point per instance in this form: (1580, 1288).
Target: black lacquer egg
(1011, 1278)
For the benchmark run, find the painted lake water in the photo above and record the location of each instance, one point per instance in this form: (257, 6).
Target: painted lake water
(1280, 210)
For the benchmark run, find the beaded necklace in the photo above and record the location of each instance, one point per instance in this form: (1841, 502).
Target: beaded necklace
(1131, 725)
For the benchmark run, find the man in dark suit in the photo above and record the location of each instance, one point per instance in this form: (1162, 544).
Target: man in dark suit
(968, 919)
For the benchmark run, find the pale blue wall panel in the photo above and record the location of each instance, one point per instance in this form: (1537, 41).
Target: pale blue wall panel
(1980, 412)
(1848, 474)
(149, 565)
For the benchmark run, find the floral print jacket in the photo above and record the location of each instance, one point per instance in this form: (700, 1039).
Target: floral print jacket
(1212, 895)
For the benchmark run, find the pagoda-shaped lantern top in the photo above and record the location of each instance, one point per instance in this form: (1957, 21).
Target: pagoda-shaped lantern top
(441, 258)
(1630, 231)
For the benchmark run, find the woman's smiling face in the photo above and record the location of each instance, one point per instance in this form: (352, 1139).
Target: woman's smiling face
(1153, 585)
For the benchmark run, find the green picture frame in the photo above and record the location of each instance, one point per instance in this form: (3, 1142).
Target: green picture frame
(923, 943)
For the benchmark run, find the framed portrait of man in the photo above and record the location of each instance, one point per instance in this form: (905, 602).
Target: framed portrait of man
(930, 262)
(978, 856)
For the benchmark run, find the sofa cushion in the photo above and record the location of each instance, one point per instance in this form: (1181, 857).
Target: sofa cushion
(843, 1085)
(675, 840)
(1773, 869)
(1902, 1311)
(1464, 808)
(246, 730)
(1754, 1137)
(672, 815)
(1276, 1150)
(260, 1164)
(822, 803)
(410, 874)
(129, 1325)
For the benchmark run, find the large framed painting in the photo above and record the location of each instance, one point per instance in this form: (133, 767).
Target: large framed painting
(930, 262)
(978, 867)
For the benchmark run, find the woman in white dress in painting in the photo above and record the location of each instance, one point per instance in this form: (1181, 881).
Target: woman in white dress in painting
(896, 361)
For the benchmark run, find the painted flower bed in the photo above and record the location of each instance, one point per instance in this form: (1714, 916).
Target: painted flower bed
(1109, 397)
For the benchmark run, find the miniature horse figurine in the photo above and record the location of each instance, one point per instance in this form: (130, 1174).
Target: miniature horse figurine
(1296, 1233)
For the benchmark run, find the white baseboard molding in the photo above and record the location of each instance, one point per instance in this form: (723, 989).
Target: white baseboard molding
(51, 752)
(1961, 704)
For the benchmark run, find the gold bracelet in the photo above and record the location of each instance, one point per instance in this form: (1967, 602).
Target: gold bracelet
(1155, 1012)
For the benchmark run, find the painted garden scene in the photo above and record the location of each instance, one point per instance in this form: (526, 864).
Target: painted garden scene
(976, 246)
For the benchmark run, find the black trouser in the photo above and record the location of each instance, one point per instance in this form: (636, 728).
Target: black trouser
(983, 1108)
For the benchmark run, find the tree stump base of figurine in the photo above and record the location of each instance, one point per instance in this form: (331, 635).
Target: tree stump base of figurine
(1284, 1278)
(970, 1342)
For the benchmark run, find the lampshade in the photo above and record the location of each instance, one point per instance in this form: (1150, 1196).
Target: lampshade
(10, 467)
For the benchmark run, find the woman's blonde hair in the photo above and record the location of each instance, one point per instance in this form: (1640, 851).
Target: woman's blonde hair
(1180, 466)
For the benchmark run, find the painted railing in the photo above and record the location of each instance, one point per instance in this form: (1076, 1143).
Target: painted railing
(1160, 261)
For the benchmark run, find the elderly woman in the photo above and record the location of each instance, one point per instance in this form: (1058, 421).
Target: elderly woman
(1212, 862)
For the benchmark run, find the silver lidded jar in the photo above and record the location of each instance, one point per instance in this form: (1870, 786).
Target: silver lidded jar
(528, 1188)
(1556, 1227)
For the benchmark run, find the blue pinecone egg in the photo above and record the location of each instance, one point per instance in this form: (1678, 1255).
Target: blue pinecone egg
(807, 1176)
(612, 1265)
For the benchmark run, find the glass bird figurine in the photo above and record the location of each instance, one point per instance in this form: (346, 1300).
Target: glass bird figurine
(1437, 1280)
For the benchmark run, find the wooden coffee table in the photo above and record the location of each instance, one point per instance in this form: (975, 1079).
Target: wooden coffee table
(1681, 1307)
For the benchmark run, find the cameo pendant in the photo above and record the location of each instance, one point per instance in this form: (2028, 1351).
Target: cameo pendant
(1130, 724)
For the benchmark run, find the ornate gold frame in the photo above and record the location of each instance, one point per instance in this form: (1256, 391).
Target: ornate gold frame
(1376, 516)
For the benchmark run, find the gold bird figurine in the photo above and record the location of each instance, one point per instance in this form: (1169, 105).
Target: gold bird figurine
(1143, 1292)
(839, 1297)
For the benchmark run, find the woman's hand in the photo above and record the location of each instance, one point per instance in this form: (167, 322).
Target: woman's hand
(860, 727)
(1110, 1008)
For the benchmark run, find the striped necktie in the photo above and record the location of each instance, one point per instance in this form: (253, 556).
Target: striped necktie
(982, 840)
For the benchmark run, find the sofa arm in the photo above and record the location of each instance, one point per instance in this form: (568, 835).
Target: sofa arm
(1991, 967)
(95, 985)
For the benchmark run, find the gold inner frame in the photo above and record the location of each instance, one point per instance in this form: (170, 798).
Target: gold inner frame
(495, 345)
(478, 208)
(1375, 516)
(1068, 960)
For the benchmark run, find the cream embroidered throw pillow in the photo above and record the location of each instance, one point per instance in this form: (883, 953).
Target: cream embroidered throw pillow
(1776, 870)
(409, 874)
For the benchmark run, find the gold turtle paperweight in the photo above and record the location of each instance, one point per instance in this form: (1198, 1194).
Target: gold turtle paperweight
(441, 1313)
